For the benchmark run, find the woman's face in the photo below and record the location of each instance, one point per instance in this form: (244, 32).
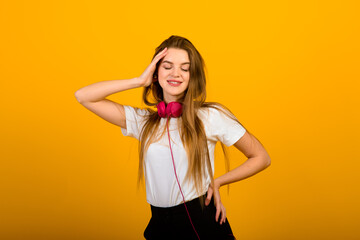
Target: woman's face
(174, 74)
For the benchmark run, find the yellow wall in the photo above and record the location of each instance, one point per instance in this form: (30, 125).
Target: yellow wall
(289, 70)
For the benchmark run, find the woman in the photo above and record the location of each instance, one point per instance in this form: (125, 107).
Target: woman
(177, 142)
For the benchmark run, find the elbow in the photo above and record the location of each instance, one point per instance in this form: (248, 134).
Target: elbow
(78, 96)
(267, 161)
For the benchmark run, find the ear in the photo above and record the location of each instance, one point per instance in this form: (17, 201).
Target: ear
(155, 78)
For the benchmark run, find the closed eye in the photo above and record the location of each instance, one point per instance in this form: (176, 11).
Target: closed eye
(185, 70)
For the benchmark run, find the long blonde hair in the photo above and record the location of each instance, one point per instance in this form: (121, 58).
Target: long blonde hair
(191, 128)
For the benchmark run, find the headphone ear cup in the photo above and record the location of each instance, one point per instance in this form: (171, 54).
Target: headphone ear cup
(174, 109)
(161, 108)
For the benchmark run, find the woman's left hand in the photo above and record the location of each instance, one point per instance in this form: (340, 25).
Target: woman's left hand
(214, 190)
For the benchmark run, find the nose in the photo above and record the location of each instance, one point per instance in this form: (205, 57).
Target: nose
(176, 72)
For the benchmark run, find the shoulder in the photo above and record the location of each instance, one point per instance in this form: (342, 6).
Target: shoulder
(216, 114)
(211, 110)
(222, 124)
(141, 111)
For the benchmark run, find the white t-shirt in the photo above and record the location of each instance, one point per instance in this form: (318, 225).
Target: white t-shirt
(162, 189)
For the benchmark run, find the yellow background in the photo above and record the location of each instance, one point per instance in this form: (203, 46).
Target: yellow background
(289, 70)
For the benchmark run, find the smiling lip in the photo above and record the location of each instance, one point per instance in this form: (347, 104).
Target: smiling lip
(174, 84)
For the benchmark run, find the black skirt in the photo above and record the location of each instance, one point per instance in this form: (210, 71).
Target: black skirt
(174, 223)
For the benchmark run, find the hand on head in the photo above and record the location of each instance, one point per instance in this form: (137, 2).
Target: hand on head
(147, 77)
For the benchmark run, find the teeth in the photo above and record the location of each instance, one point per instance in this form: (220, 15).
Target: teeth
(174, 82)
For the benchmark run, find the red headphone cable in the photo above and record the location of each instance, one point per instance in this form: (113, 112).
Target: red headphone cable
(167, 126)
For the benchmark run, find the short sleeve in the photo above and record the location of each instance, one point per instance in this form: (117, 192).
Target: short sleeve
(224, 128)
(135, 119)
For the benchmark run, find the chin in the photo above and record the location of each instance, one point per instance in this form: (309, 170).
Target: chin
(176, 95)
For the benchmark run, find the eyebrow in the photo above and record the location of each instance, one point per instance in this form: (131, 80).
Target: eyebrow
(166, 61)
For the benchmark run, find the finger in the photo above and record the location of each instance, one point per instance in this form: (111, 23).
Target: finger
(208, 197)
(162, 51)
(161, 54)
(217, 213)
(223, 215)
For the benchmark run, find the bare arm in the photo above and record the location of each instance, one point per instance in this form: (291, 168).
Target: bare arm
(99, 90)
(93, 96)
(258, 160)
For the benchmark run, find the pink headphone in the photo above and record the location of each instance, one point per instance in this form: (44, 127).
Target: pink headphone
(173, 109)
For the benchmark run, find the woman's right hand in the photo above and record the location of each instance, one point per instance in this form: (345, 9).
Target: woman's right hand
(146, 77)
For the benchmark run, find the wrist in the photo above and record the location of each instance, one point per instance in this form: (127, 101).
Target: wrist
(217, 183)
(137, 82)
